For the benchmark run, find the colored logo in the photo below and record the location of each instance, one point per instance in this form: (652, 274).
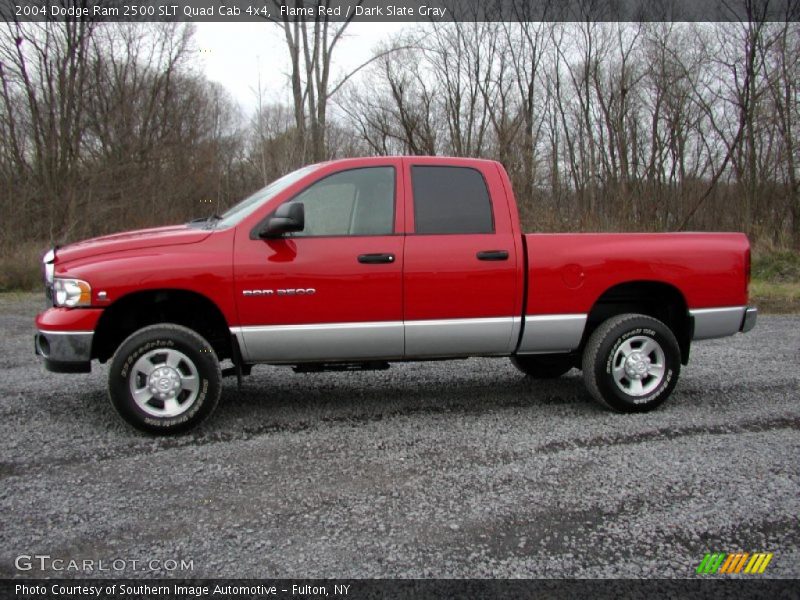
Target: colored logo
(720, 563)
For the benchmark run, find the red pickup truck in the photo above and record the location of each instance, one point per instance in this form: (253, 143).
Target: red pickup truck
(351, 264)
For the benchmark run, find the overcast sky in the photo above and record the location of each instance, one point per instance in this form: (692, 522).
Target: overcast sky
(234, 53)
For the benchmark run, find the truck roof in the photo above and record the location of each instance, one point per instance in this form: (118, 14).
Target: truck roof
(440, 160)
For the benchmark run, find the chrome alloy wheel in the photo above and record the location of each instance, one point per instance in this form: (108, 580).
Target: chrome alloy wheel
(164, 383)
(638, 365)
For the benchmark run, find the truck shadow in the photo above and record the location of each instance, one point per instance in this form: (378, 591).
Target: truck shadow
(292, 402)
(274, 399)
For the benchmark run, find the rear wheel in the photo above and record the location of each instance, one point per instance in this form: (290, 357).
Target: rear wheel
(165, 379)
(631, 363)
(543, 366)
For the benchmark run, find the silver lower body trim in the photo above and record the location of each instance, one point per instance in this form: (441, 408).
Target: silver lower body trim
(712, 323)
(750, 317)
(552, 334)
(322, 342)
(378, 340)
(461, 337)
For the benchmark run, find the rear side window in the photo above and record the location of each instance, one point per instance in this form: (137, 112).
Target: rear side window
(450, 200)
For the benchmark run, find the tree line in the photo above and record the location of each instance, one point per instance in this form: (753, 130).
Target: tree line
(602, 126)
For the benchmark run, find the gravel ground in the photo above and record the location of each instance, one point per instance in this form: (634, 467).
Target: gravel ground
(442, 469)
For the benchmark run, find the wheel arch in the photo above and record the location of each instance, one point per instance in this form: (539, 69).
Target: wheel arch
(135, 310)
(657, 299)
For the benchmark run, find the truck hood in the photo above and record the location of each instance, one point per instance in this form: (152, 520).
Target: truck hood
(132, 240)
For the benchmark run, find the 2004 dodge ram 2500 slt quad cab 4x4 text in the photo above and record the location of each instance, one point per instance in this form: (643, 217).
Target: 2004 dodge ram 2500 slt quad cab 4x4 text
(355, 263)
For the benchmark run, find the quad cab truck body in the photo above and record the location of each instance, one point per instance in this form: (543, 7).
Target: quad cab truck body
(356, 263)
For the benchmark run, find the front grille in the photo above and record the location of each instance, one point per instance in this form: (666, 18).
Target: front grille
(48, 294)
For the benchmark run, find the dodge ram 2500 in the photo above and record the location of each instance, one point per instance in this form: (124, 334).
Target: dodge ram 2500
(352, 264)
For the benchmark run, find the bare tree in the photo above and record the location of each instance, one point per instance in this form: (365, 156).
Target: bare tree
(106, 127)
(311, 43)
(44, 79)
(397, 107)
(783, 57)
(600, 126)
(526, 42)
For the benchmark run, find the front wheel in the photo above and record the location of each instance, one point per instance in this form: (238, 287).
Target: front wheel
(165, 379)
(631, 363)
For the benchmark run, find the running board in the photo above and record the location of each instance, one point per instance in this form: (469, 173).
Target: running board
(373, 365)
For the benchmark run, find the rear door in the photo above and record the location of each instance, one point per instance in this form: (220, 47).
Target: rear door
(461, 293)
(334, 290)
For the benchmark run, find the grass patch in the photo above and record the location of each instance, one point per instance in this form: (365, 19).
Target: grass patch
(777, 267)
(20, 268)
(775, 283)
(775, 297)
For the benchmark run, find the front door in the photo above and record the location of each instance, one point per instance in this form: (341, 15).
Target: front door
(334, 290)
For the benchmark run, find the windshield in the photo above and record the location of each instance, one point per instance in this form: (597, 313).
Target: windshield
(247, 206)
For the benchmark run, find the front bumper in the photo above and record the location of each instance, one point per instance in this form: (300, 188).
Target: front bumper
(65, 351)
(64, 338)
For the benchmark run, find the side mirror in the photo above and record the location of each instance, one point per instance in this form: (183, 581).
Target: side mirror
(287, 218)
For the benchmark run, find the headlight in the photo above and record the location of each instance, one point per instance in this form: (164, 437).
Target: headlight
(71, 292)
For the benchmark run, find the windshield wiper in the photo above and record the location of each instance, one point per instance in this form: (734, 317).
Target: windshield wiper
(207, 221)
(211, 221)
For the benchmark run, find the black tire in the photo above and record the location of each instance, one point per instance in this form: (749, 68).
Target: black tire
(626, 349)
(544, 366)
(174, 397)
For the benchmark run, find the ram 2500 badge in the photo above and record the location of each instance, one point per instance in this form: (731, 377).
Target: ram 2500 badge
(356, 263)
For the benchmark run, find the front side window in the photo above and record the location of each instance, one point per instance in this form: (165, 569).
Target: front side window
(450, 200)
(353, 202)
